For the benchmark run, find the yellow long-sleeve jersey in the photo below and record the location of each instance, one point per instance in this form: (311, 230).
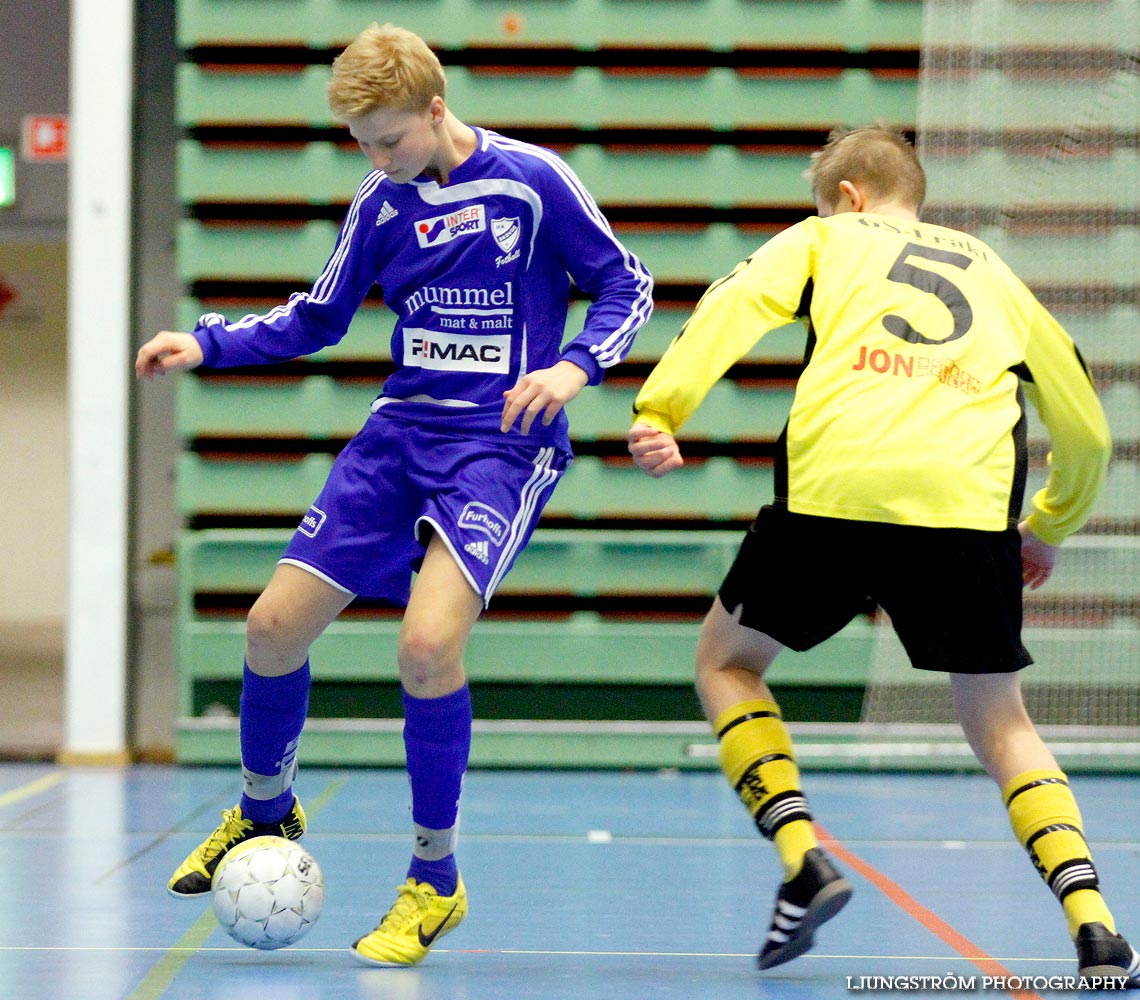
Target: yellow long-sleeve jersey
(910, 408)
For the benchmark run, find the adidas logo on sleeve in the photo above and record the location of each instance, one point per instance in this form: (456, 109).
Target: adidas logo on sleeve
(387, 213)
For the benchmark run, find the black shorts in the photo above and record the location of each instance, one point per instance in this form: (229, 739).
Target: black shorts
(953, 595)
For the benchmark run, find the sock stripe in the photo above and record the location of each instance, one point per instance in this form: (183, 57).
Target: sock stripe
(750, 777)
(1069, 876)
(746, 717)
(779, 811)
(1034, 784)
(1053, 828)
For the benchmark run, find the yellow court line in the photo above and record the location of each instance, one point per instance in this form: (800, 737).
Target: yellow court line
(31, 788)
(163, 972)
(331, 789)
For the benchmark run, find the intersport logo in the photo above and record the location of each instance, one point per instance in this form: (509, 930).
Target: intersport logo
(442, 229)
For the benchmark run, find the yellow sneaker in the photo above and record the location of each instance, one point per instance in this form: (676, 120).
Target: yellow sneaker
(418, 919)
(192, 878)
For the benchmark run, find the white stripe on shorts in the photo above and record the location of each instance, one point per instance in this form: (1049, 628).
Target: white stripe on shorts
(542, 478)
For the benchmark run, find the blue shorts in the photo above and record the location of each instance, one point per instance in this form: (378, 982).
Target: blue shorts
(397, 481)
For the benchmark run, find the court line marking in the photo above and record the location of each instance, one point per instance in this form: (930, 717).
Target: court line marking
(164, 835)
(31, 788)
(157, 981)
(912, 907)
(712, 842)
(619, 839)
(522, 951)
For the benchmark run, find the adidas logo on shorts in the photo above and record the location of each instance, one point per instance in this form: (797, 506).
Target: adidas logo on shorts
(479, 550)
(387, 213)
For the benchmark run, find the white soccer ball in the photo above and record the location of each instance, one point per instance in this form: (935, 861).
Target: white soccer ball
(268, 892)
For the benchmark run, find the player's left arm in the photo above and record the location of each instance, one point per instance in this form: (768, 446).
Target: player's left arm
(1037, 558)
(617, 283)
(1063, 393)
(544, 391)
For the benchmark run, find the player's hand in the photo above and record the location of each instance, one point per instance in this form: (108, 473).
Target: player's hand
(167, 352)
(654, 451)
(544, 391)
(1037, 558)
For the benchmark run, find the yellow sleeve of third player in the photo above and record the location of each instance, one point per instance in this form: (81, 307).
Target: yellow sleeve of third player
(760, 294)
(1080, 443)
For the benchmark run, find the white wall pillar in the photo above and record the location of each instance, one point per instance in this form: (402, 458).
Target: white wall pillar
(99, 354)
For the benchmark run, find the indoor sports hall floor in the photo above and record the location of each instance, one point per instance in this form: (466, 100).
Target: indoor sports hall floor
(582, 885)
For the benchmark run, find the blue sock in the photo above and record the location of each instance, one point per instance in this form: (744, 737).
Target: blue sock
(273, 711)
(437, 737)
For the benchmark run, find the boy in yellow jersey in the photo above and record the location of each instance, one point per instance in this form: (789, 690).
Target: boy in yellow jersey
(899, 478)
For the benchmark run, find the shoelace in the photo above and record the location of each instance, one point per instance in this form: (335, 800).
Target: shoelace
(231, 829)
(411, 900)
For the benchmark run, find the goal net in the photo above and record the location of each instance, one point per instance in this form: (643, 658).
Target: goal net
(1029, 129)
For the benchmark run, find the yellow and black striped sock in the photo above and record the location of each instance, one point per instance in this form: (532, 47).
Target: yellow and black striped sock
(1047, 823)
(757, 758)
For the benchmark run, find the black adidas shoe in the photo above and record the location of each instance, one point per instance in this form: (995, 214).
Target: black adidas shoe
(812, 898)
(1104, 955)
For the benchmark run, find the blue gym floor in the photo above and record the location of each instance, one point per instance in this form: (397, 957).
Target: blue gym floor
(582, 885)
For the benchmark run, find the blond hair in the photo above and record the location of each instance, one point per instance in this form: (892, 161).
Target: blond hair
(384, 67)
(877, 158)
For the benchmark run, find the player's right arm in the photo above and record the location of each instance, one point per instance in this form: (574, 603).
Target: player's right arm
(167, 351)
(308, 321)
(761, 293)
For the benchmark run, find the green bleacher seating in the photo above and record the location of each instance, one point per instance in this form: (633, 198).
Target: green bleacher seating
(719, 176)
(603, 608)
(298, 252)
(585, 23)
(369, 335)
(321, 407)
(588, 97)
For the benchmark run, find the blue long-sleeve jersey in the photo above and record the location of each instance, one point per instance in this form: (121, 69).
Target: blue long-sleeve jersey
(478, 273)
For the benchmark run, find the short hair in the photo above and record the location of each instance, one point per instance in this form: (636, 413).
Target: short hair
(879, 159)
(384, 67)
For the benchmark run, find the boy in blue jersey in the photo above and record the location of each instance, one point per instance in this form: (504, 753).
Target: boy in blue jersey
(474, 239)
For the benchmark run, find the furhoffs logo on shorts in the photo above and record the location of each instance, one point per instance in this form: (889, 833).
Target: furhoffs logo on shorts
(311, 522)
(478, 516)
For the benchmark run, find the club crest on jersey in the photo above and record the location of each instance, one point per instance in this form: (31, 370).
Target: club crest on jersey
(478, 516)
(506, 233)
(442, 229)
(311, 522)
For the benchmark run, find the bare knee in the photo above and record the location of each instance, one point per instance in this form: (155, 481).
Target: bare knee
(731, 661)
(271, 635)
(425, 656)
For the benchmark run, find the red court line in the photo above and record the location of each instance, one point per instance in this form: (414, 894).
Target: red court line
(912, 907)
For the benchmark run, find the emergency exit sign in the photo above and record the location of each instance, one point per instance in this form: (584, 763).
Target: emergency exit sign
(7, 176)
